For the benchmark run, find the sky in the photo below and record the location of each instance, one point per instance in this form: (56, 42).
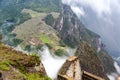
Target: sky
(102, 17)
(100, 7)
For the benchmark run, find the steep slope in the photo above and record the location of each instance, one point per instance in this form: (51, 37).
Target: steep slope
(49, 22)
(15, 65)
(20, 11)
(89, 60)
(33, 30)
(107, 62)
(73, 32)
(72, 70)
(12, 9)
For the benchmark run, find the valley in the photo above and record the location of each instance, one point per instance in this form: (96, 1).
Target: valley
(43, 35)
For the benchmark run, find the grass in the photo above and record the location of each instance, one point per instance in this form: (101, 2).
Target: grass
(33, 14)
(44, 5)
(45, 39)
(36, 76)
(36, 30)
(5, 66)
(60, 52)
(89, 60)
(11, 59)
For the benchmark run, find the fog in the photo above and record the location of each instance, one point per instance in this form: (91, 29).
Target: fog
(117, 67)
(113, 76)
(102, 17)
(53, 63)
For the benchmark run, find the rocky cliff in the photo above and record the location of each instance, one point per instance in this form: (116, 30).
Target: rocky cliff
(70, 28)
(49, 22)
(73, 32)
(89, 60)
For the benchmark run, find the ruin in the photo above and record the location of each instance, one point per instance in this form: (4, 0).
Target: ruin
(71, 70)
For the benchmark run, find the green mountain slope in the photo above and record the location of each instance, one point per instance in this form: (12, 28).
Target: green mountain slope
(16, 65)
(89, 60)
(31, 24)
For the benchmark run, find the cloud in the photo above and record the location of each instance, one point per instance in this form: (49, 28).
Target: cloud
(113, 76)
(47, 60)
(106, 14)
(100, 7)
(78, 11)
(53, 63)
(117, 67)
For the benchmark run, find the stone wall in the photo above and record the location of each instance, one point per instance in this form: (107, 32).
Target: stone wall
(72, 71)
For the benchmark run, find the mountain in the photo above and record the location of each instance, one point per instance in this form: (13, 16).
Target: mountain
(73, 32)
(16, 65)
(85, 51)
(104, 24)
(29, 25)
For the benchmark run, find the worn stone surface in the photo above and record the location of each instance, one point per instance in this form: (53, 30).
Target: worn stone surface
(72, 69)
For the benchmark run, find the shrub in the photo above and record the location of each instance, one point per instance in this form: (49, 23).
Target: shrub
(39, 47)
(36, 76)
(45, 39)
(61, 43)
(49, 46)
(27, 48)
(60, 52)
(49, 20)
(5, 66)
(16, 42)
(0, 36)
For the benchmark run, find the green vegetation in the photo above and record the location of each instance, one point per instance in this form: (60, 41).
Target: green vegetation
(38, 47)
(60, 52)
(62, 44)
(39, 32)
(35, 56)
(45, 39)
(16, 42)
(71, 40)
(12, 10)
(107, 61)
(24, 17)
(0, 38)
(44, 5)
(49, 19)
(9, 28)
(31, 11)
(33, 14)
(49, 46)
(92, 34)
(13, 41)
(17, 65)
(37, 76)
(22, 69)
(5, 66)
(28, 48)
(89, 60)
